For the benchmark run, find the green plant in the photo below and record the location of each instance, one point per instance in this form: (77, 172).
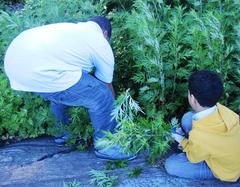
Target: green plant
(118, 4)
(22, 115)
(80, 128)
(124, 66)
(156, 39)
(136, 133)
(111, 165)
(102, 179)
(5, 4)
(72, 184)
(135, 172)
(175, 123)
(164, 46)
(125, 108)
(168, 43)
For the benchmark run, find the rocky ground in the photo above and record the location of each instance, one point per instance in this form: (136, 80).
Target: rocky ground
(40, 163)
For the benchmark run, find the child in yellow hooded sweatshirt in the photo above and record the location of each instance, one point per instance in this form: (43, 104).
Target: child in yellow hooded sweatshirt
(211, 138)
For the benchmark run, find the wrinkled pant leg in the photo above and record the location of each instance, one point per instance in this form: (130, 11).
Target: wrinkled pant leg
(100, 106)
(59, 111)
(92, 94)
(186, 122)
(100, 113)
(98, 98)
(178, 165)
(62, 119)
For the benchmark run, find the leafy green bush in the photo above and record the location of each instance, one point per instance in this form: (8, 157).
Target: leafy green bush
(102, 179)
(72, 184)
(136, 133)
(168, 43)
(4, 4)
(124, 66)
(22, 116)
(118, 5)
(135, 172)
(80, 128)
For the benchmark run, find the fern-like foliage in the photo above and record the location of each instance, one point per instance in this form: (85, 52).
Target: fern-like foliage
(72, 184)
(125, 108)
(136, 133)
(102, 179)
(22, 115)
(169, 43)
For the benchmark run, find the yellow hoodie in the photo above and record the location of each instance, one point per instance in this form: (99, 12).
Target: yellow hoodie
(215, 139)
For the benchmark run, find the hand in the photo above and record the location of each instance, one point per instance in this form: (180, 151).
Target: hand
(111, 88)
(178, 138)
(178, 131)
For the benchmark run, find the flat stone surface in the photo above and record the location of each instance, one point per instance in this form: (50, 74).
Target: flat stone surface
(40, 163)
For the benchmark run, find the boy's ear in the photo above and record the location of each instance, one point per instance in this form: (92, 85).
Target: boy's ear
(194, 100)
(105, 33)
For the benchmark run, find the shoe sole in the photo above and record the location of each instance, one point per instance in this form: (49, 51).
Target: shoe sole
(106, 157)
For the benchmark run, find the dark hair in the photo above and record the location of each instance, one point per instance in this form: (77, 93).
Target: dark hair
(104, 23)
(206, 87)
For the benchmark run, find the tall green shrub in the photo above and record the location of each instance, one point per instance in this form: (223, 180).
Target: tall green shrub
(169, 43)
(22, 116)
(136, 133)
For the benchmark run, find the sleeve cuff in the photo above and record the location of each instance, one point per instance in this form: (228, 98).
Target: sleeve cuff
(183, 143)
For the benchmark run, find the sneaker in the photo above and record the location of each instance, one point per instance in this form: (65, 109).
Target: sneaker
(61, 140)
(114, 152)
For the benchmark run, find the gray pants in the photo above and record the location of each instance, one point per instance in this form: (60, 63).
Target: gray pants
(178, 164)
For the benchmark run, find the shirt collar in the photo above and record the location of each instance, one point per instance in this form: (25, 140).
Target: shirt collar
(204, 113)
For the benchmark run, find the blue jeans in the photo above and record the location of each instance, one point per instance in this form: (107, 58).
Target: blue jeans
(179, 165)
(90, 93)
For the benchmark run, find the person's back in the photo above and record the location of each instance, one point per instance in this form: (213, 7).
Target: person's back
(53, 56)
(211, 144)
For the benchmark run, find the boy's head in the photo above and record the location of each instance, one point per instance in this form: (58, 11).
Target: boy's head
(205, 87)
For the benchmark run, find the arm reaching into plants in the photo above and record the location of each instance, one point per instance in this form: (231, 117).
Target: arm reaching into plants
(194, 150)
(112, 89)
(109, 85)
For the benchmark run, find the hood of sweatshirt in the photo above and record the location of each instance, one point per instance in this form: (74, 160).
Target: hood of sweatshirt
(228, 116)
(222, 120)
